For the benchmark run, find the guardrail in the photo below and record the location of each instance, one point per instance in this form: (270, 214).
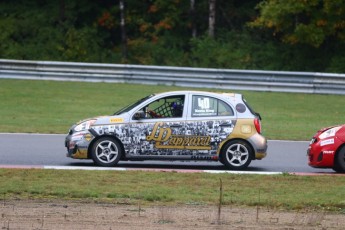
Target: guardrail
(274, 81)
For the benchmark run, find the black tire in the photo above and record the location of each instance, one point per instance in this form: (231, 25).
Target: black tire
(339, 161)
(106, 152)
(236, 155)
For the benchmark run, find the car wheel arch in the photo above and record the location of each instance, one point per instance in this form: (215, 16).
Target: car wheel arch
(335, 156)
(339, 148)
(106, 135)
(237, 154)
(221, 151)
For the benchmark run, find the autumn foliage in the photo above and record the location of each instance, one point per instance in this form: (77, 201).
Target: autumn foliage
(293, 35)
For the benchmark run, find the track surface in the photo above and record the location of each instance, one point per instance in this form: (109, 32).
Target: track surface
(48, 151)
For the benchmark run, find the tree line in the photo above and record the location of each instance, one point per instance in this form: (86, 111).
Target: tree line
(289, 35)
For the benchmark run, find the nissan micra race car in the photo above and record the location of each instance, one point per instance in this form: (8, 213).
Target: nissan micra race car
(327, 149)
(180, 125)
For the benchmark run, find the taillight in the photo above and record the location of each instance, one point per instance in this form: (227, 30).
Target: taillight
(257, 125)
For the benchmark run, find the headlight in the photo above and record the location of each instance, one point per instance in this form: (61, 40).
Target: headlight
(84, 125)
(329, 133)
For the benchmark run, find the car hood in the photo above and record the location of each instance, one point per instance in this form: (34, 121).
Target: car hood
(111, 119)
(340, 133)
(88, 119)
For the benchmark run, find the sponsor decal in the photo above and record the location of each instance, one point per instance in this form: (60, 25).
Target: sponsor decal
(204, 108)
(164, 139)
(246, 129)
(88, 136)
(116, 120)
(327, 142)
(328, 152)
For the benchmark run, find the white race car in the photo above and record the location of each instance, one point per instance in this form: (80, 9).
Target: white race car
(179, 125)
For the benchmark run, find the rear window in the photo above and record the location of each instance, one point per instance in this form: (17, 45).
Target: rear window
(250, 108)
(203, 106)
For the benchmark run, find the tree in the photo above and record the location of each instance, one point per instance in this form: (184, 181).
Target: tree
(192, 16)
(212, 18)
(123, 30)
(311, 22)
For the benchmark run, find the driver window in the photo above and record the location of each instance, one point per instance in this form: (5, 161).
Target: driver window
(167, 107)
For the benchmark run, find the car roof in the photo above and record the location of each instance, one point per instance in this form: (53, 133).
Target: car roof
(228, 94)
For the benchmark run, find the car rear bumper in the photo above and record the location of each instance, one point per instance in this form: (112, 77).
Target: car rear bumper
(259, 144)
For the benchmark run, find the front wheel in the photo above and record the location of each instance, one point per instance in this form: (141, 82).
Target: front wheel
(236, 155)
(106, 152)
(339, 161)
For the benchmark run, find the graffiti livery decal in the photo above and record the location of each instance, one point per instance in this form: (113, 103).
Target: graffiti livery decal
(199, 138)
(165, 140)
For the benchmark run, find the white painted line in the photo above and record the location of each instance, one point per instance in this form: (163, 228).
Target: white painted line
(288, 141)
(83, 168)
(158, 170)
(243, 172)
(35, 134)
(21, 166)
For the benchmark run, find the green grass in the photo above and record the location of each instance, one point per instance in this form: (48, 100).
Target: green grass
(171, 188)
(51, 107)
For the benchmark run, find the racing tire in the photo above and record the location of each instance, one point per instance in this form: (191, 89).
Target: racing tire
(221, 160)
(106, 152)
(236, 155)
(339, 161)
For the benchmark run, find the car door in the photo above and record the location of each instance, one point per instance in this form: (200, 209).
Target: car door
(210, 121)
(158, 128)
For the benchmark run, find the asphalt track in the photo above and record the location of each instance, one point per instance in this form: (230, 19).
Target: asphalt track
(48, 151)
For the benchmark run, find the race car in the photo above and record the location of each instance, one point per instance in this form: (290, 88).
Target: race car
(327, 149)
(178, 125)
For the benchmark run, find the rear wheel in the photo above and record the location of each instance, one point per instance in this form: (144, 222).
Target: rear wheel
(236, 155)
(339, 161)
(106, 152)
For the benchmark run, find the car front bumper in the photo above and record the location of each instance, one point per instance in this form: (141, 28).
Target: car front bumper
(77, 144)
(321, 152)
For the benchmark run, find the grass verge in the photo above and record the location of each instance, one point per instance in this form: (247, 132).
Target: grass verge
(52, 106)
(278, 191)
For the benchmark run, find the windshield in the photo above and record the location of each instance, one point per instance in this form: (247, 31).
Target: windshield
(131, 106)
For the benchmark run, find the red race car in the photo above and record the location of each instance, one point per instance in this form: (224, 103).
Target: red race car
(327, 149)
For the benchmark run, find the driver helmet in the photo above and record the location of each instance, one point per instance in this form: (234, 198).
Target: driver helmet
(176, 109)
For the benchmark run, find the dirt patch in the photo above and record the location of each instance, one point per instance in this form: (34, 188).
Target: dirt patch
(32, 214)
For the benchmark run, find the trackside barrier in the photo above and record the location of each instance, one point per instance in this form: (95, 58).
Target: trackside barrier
(273, 81)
